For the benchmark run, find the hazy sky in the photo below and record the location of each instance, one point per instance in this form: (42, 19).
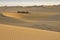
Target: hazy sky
(28, 2)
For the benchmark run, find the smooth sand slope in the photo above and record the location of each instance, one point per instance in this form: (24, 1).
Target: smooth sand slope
(13, 15)
(17, 19)
(9, 32)
(18, 16)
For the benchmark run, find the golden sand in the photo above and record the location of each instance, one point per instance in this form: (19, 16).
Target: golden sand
(9, 32)
(13, 15)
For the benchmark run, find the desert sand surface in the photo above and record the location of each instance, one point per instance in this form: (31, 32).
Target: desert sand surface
(50, 22)
(9, 32)
(13, 15)
(42, 24)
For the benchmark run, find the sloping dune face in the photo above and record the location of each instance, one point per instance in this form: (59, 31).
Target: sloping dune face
(8, 32)
(13, 15)
(19, 16)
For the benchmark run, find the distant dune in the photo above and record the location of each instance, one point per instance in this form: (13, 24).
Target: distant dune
(9, 32)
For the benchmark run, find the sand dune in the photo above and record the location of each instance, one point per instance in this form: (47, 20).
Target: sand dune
(42, 24)
(9, 32)
(13, 15)
(18, 16)
(20, 20)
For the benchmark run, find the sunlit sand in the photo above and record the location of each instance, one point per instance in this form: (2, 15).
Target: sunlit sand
(13, 15)
(9, 32)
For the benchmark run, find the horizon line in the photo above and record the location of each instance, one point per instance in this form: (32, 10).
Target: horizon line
(33, 5)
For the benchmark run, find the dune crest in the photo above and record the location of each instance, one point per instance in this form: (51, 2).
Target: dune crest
(17, 16)
(13, 15)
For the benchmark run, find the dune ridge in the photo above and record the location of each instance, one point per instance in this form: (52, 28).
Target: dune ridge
(13, 15)
(18, 16)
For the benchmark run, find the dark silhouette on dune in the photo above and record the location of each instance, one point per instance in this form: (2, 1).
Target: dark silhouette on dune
(23, 12)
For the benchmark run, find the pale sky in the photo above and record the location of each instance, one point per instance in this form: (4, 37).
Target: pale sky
(28, 2)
